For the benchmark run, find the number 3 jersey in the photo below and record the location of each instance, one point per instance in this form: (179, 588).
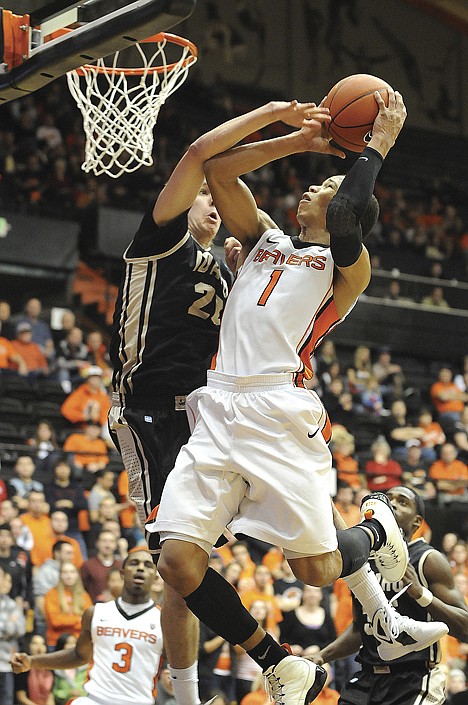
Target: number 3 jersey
(286, 286)
(167, 315)
(126, 656)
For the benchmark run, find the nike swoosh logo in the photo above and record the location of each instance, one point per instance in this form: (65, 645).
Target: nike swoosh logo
(263, 656)
(366, 159)
(311, 435)
(272, 242)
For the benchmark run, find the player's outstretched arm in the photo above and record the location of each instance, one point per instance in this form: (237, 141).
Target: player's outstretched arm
(187, 177)
(67, 658)
(442, 600)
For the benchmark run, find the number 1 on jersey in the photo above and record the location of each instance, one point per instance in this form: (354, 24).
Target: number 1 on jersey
(274, 279)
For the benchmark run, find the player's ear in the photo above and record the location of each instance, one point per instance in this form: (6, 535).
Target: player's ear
(418, 520)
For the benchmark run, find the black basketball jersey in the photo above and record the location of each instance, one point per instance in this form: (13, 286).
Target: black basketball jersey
(368, 654)
(167, 314)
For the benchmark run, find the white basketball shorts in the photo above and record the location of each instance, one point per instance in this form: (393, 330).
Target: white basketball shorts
(257, 462)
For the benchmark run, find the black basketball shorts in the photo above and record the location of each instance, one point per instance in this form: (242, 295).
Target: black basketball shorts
(409, 686)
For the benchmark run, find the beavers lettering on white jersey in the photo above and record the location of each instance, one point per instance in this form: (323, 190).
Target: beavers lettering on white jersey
(127, 655)
(267, 286)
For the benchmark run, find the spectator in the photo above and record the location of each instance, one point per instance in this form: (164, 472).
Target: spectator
(98, 355)
(371, 397)
(7, 327)
(128, 516)
(209, 649)
(331, 396)
(104, 481)
(41, 333)
(459, 558)
(72, 359)
(45, 444)
(435, 298)
(389, 374)
(46, 576)
(21, 486)
(456, 685)
(114, 586)
(68, 321)
(449, 474)
(17, 564)
(447, 398)
(287, 588)
(69, 682)
(88, 449)
(247, 670)
(398, 430)
(10, 359)
(345, 414)
(59, 532)
(394, 294)
(22, 536)
(12, 626)
(344, 502)
(38, 521)
(347, 466)
(358, 374)
(460, 434)
(8, 511)
(29, 351)
(89, 402)
(308, 626)
(415, 468)
(66, 495)
(433, 436)
(461, 379)
(382, 473)
(263, 590)
(64, 605)
(35, 686)
(95, 570)
(325, 357)
(448, 542)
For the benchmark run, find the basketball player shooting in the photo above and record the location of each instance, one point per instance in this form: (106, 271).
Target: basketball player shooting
(123, 640)
(258, 460)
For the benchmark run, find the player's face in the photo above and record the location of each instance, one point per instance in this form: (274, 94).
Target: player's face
(203, 218)
(404, 506)
(312, 208)
(139, 573)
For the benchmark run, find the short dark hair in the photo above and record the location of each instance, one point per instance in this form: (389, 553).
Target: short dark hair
(419, 502)
(5, 527)
(57, 546)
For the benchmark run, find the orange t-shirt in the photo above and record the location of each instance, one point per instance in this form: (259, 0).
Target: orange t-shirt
(327, 696)
(31, 354)
(44, 552)
(127, 516)
(352, 515)
(456, 470)
(275, 616)
(59, 622)
(7, 352)
(95, 449)
(433, 435)
(344, 606)
(452, 404)
(348, 469)
(273, 559)
(75, 405)
(41, 531)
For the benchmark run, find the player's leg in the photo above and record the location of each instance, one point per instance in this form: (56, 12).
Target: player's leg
(181, 631)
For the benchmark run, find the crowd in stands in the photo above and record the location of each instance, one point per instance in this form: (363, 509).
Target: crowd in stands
(66, 522)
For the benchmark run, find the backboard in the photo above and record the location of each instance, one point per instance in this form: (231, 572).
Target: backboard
(34, 50)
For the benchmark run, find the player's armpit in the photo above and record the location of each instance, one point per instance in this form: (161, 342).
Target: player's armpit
(350, 282)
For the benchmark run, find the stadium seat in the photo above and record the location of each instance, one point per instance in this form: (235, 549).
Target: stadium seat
(9, 433)
(19, 388)
(14, 411)
(50, 391)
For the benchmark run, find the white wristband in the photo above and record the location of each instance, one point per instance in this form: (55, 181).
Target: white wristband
(426, 598)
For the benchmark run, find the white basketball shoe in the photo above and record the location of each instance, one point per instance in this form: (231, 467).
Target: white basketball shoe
(295, 681)
(391, 558)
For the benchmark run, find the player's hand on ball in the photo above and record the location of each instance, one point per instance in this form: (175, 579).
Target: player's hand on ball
(20, 662)
(319, 141)
(298, 114)
(390, 119)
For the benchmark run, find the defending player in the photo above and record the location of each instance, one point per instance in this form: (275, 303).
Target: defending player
(429, 593)
(258, 458)
(166, 327)
(122, 639)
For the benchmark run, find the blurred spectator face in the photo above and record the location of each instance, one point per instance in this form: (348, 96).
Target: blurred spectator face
(113, 526)
(336, 386)
(75, 336)
(8, 511)
(394, 289)
(262, 576)
(215, 561)
(59, 522)
(259, 610)
(456, 681)
(33, 308)
(459, 554)
(448, 542)
(345, 496)
(346, 401)
(241, 554)
(5, 583)
(69, 574)
(399, 409)
(425, 418)
(94, 341)
(92, 431)
(6, 541)
(311, 596)
(66, 553)
(94, 382)
(36, 503)
(445, 375)
(5, 311)
(44, 431)
(68, 320)
(328, 348)
(24, 467)
(448, 453)
(232, 572)
(16, 526)
(437, 294)
(37, 645)
(115, 583)
(413, 453)
(461, 581)
(107, 480)
(106, 544)
(107, 508)
(62, 472)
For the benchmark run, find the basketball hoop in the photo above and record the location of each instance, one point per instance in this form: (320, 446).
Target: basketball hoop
(119, 117)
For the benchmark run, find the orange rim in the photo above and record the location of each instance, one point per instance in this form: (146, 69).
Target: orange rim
(155, 38)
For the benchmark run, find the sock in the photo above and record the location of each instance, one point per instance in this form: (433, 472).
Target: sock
(216, 603)
(354, 545)
(185, 683)
(377, 532)
(366, 588)
(268, 652)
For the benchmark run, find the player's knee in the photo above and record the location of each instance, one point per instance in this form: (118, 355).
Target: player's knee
(317, 570)
(182, 565)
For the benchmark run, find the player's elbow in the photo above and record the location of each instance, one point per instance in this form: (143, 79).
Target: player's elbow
(214, 171)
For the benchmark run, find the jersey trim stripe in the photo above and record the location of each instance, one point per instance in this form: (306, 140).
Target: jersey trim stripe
(162, 255)
(122, 322)
(146, 302)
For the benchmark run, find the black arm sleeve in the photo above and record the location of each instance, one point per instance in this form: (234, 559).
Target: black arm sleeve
(347, 207)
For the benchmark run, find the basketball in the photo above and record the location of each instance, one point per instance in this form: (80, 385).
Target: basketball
(353, 109)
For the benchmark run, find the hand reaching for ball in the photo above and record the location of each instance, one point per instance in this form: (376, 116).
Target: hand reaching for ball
(388, 123)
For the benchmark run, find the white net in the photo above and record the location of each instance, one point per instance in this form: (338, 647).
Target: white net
(120, 107)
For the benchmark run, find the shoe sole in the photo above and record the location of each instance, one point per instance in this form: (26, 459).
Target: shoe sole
(421, 647)
(319, 682)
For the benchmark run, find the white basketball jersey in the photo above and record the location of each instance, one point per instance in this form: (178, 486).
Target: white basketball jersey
(286, 287)
(127, 655)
